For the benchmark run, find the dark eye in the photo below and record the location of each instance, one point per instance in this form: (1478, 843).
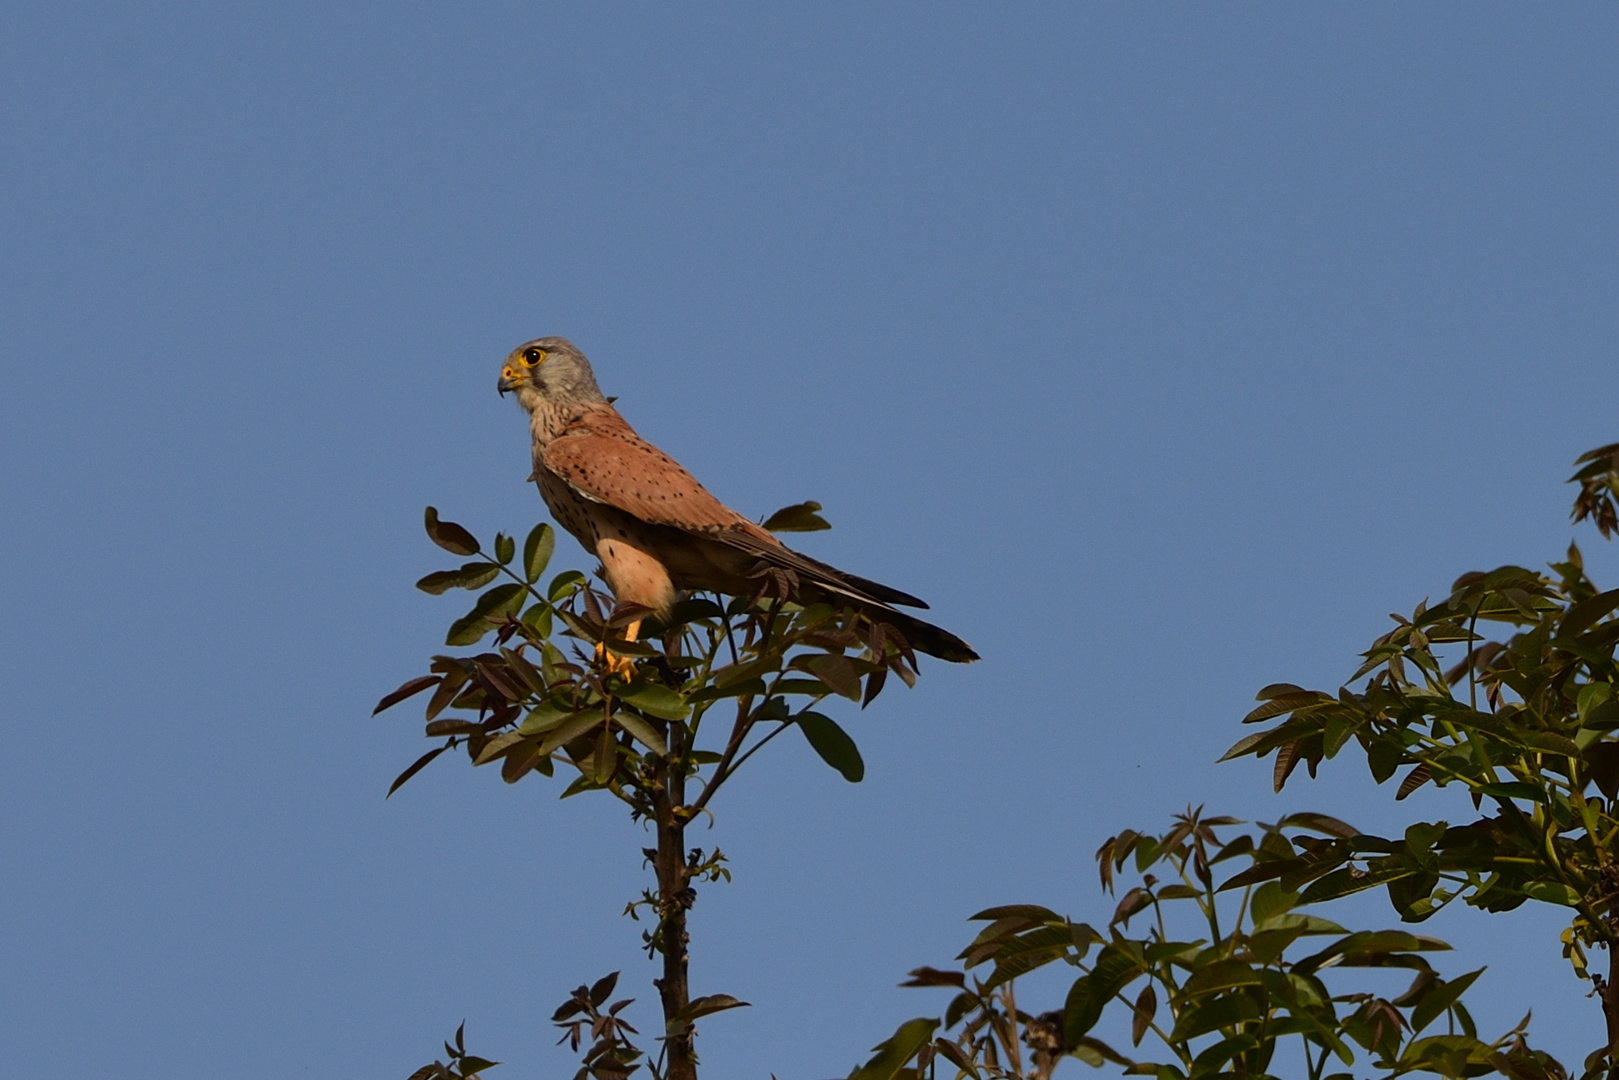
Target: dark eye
(532, 357)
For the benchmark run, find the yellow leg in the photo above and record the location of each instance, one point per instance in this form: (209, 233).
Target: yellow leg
(621, 665)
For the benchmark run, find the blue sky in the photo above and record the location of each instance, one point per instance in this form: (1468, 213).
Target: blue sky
(1163, 349)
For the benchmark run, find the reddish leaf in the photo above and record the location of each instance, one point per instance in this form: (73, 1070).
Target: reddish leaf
(420, 764)
(409, 689)
(1130, 904)
(1413, 780)
(450, 536)
(1287, 759)
(836, 671)
(931, 976)
(874, 686)
(1146, 1008)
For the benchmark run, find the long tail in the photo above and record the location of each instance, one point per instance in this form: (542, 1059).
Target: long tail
(923, 636)
(875, 599)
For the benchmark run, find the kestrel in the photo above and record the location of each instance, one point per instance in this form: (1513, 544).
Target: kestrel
(657, 531)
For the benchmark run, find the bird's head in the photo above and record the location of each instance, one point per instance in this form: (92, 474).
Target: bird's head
(549, 370)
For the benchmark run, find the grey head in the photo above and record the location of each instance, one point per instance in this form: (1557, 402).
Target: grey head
(549, 371)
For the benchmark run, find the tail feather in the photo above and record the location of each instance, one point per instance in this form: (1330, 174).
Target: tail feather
(873, 598)
(886, 594)
(924, 636)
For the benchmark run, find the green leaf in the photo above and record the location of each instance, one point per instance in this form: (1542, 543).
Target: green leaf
(736, 689)
(505, 548)
(659, 701)
(1263, 871)
(542, 540)
(1552, 892)
(544, 717)
(1269, 899)
(453, 727)
(1552, 743)
(732, 674)
(450, 536)
(703, 1006)
(467, 630)
(1209, 1061)
(800, 517)
(1090, 994)
(1032, 912)
(1585, 614)
(562, 584)
(893, 1055)
(474, 575)
(1030, 950)
(471, 627)
(1220, 975)
(1441, 996)
(643, 732)
(1304, 924)
(809, 687)
(1345, 881)
(497, 747)
(570, 729)
(1513, 789)
(833, 744)
(1367, 948)
(581, 783)
(1279, 689)
(1214, 1014)
(1384, 757)
(604, 761)
(1321, 823)
(1598, 709)
(538, 617)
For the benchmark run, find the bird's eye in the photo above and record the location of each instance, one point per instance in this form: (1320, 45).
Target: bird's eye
(532, 357)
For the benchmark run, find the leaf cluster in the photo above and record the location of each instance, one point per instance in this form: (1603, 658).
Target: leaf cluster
(548, 693)
(1525, 722)
(1598, 477)
(1225, 967)
(610, 1055)
(658, 709)
(461, 1066)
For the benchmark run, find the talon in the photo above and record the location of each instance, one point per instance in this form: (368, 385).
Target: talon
(613, 663)
(619, 665)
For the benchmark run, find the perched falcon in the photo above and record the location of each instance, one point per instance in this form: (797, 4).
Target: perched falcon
(657, 530)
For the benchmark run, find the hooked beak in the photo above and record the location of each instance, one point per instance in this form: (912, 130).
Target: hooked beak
(509, 380)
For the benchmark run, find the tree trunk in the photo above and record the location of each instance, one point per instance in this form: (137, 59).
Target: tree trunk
(674, 898)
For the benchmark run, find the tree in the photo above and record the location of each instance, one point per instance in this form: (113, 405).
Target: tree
(712, 682)
(1527, 723)
(1233, 966)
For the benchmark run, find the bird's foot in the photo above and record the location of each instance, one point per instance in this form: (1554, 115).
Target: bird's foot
(613, 663)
